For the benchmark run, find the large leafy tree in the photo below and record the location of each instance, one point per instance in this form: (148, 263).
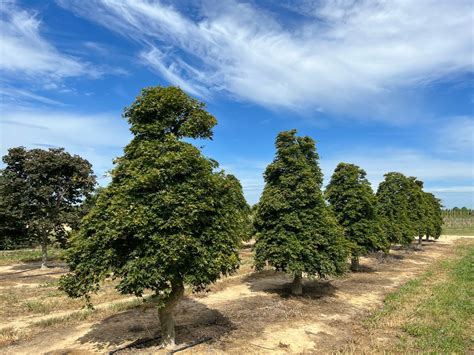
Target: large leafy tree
(354, 204)
(40, 194)
(169, 218)
(295, 231)
(393, 199)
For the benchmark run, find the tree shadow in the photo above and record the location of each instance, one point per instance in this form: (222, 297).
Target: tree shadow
(279, 283)
(194, 321)
(363, 269)
(33, 266)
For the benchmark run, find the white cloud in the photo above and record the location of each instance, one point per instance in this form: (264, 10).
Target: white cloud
(431, 170)
(15, 96)
(456, 135)
(341, 56)
(452, 189)
(428, 168)
(98, 138)
(25, 51)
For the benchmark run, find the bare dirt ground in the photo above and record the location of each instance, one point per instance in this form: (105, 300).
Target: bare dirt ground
(245, 313)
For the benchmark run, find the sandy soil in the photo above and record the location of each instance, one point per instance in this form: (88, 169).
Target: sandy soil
(247, 313)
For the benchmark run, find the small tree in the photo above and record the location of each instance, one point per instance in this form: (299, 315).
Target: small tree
(434, 216)
(418, 209)
(41, 192)
(354, 204)
(295, 230)
(393, 207)
(168, 218)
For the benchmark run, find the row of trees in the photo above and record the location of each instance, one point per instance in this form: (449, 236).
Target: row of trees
(458, 217)
(171, 218)
(298, 232)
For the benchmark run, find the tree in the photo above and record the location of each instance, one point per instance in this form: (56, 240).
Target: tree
(41, 192)
(418, 209)
(393, 207)
(354, 204)
(434, 216)
(295, 230)
(168, 218)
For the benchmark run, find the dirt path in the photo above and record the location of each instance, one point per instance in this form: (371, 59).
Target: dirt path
(252, 313)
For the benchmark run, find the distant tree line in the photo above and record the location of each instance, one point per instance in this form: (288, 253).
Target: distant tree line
(458, 217)
(170, 218)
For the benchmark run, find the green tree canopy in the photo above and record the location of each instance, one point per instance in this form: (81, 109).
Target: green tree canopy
(434, 216)
(393, 206)
(354, 204)
(41, 192)
(418, 208)
(168, 218)
(295, 230)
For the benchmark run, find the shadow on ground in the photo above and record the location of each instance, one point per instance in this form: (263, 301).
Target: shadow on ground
(279, 283)
(194, 321)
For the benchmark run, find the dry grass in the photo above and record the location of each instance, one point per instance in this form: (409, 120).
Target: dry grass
(242, 313)
(9, 335)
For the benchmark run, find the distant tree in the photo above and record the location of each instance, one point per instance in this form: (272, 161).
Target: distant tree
(41, 193)
(295, 231)
(168, 218)
(354, 204)
(393, 206)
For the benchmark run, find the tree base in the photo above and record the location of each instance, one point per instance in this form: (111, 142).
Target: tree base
(355, 266)
(419, 246)
(297, 285)
(165, 315)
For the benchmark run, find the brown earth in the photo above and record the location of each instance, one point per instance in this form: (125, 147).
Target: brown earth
(245, 313)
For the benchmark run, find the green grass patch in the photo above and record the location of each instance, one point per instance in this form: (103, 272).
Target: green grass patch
(458, 231)
(28, 255)
(434, 312)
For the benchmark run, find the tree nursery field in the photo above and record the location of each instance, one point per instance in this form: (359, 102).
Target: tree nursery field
(170, 257)
(391, 304)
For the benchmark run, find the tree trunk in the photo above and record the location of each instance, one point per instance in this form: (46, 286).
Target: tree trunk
(166, 315)
(297, 285)
(355, 263)
(420, 242)
(44, 253)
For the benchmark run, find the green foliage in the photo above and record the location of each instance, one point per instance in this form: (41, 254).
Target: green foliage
(434, 218)
(407, 211)
(393, 196)
(168, 216)
(418, 207)
(295, 231)
(41, 192)
(159, 112)
(354, 204)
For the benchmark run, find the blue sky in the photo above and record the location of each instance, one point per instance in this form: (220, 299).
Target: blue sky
(386, 85)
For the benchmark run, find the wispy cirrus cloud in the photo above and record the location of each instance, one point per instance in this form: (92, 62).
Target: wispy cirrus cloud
(25, 51)
(30, 65)
(341, 55)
